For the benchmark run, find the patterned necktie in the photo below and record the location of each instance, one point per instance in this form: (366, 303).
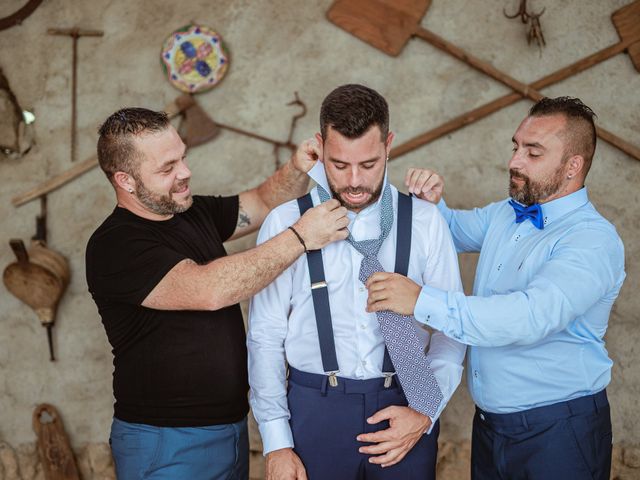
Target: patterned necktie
(534, 212)
(405, 349)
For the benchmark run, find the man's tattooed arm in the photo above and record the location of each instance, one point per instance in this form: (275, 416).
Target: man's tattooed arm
(244, 220)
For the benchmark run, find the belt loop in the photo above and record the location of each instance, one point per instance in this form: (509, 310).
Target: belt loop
(524, 420)
(323, 387)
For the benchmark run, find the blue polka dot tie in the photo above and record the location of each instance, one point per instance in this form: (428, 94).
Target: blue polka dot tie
(405, 349)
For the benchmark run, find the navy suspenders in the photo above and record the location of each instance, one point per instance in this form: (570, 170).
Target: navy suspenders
(320, 294)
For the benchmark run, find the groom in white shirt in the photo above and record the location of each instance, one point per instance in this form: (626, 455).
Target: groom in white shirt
(341, 414)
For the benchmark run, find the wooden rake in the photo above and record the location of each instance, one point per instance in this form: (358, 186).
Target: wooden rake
(389, 24)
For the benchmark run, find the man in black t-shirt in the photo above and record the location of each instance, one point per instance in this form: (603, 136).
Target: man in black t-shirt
(168, 296)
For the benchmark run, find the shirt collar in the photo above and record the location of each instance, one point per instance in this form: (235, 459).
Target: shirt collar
(559, 207)
(319, 175)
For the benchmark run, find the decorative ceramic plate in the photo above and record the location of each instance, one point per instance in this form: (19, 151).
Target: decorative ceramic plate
(194, 58)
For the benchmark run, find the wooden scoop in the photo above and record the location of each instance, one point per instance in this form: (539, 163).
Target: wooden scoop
(54, 448)
(385, 24)
(39, 279)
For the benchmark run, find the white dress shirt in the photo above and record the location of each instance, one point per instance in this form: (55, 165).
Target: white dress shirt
(282, 323)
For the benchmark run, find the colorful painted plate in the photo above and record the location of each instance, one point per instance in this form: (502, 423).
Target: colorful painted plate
(194, 58)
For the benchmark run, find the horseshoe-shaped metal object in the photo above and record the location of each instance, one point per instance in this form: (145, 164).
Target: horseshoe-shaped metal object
(18, 17)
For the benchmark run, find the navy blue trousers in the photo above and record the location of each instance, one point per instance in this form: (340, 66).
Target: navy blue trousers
(564, 441)
(325, 421)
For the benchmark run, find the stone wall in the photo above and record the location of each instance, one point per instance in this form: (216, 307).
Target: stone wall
(279, 47)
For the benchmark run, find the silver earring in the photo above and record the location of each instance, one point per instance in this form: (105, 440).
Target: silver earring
(131, 190)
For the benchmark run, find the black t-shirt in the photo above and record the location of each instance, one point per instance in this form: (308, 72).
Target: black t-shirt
(172, 368)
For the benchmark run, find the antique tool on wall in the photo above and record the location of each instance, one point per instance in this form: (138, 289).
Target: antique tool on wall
(75, 34)
(388, 26)
(197, 125)
(39, 277)
(54, 448)
(14, 139)
(532, 20)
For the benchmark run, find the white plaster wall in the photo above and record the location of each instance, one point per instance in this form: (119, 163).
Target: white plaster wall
(279, 47)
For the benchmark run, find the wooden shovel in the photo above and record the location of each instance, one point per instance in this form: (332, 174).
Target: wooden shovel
(54, 448)
(389, 24)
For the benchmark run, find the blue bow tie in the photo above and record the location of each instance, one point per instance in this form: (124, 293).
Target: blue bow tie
(533, 212)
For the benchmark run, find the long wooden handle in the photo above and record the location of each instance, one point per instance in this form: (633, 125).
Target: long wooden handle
(530, 91)
(476, 63)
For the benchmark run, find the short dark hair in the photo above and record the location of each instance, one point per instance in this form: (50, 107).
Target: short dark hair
(352, 109)
(116, 150)
(580, 129)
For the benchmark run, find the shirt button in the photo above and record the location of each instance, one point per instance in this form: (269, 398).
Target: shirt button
(475, 373)
(499, 267)
(363, 326)
(428, 317)
(362, 289)
(364, 363)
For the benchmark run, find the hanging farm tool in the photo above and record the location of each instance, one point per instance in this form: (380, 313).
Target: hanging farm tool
(75, 34)
(197, 127)
(389, 25)
(39, 276)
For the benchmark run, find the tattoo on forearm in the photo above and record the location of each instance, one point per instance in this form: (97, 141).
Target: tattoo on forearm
(243, 217)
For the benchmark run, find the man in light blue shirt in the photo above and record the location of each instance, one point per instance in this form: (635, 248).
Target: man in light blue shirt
(545, 284)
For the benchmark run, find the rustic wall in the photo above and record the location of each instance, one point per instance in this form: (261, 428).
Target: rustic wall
(279, 47)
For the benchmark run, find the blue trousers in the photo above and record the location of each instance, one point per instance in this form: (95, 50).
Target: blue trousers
(325, 421)
(564, 441)
(204, 453)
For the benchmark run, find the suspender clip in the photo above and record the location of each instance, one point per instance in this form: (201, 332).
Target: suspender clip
(388, 378)
(322, 284)
(333, 380)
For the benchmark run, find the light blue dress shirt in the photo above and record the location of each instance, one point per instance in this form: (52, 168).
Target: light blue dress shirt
(282, 324)
(540, 306)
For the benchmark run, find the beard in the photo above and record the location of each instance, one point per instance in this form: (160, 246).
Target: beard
(531, 192)
(162, 204)
(374, 192)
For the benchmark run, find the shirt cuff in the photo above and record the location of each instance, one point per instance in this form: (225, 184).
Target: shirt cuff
(431, 307)
(276, 434)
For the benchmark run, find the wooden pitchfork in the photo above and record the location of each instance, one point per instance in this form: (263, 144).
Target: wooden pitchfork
(389, 24)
